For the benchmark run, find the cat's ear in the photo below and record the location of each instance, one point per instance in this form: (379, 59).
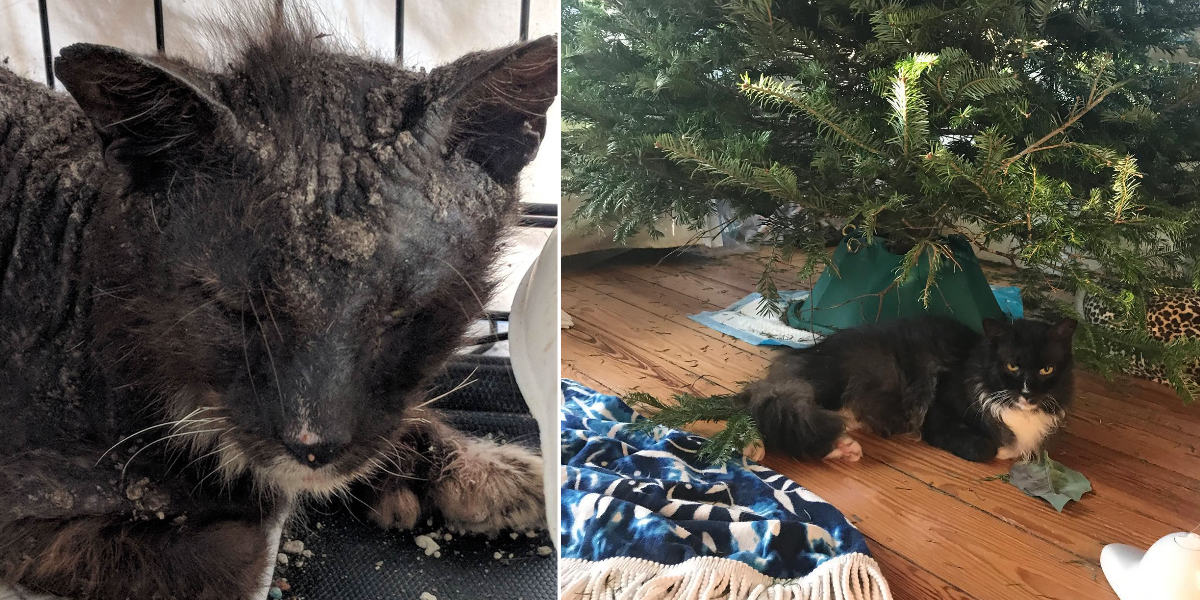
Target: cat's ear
(994, 329)
(144, 113)
(492, 105)
(1064, 329)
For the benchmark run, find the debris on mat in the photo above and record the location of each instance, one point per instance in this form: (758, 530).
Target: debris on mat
(294, 553)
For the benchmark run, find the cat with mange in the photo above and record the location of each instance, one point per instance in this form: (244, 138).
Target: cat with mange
(999, 394)
(224, 293)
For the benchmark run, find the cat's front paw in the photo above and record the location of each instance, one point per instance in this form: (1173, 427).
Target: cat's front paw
(396, 508)
(489, 488)
(847, 449)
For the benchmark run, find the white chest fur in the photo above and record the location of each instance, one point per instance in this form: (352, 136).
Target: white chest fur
(1029, 428)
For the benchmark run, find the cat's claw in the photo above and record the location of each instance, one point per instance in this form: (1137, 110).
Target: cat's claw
(490, 488)
(847, 449)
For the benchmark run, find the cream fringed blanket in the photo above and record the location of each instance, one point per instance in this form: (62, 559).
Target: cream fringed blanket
(847, 577)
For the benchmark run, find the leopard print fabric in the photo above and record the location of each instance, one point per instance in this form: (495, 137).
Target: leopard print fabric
(1169, 316)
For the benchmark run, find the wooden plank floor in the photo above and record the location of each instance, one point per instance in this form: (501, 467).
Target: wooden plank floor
(937, 527)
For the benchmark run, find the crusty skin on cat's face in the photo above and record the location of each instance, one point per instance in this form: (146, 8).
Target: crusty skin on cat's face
(301, 240)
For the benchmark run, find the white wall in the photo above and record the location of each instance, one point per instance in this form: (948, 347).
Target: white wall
(435, 32)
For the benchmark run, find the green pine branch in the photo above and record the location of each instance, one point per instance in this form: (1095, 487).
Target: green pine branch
(685, 409)
(776, 180)
(771, 92)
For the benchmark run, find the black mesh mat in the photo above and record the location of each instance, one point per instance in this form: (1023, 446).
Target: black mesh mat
(346, 558)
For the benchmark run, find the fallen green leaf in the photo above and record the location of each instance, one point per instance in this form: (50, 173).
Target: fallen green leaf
(1050, 480)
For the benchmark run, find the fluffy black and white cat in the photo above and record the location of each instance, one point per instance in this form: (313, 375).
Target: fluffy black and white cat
(980, 397)
(224, 291)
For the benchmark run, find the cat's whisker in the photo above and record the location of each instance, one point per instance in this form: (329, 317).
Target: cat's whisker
(111, 292)
(229, 471)
(219, 449)
(196, 443)
(150, 428)
(400, 454)
(185, 317)
(161, 439)
(181, 424)
(216, 470)
(465, 382)
(346, 491)
(267, 303)
(389, 442)
(1055, 406)
(395, 449)
(482, 306)
(401, 451)
(226, 467)
(994, 402)
(380, 466)
(246, 356)
(267, 345)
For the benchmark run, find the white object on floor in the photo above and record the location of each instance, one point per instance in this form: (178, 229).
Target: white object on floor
(533, 346)
(747, 318)
(565, 320)
(1169, 570)
(750, 321)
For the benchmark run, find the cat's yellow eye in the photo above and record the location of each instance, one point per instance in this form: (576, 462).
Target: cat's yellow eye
(1012, 368)
(1046, 370)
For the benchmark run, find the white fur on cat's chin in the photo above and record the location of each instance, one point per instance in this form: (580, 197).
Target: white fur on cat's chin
(291, 479)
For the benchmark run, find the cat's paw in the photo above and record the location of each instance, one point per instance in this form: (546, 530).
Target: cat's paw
(847, 449)
(1008, 453)
(489, 488)
(755, 451)
(397, 508)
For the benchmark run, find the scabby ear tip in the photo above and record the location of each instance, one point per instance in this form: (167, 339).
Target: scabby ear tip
(83, 50)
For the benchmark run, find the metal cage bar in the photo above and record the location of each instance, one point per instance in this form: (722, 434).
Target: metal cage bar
(400, 31)
(159, 40)
(524, 20)
(46, 51)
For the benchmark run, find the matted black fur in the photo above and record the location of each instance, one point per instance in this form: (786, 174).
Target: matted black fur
(225, 290)
(977, 396)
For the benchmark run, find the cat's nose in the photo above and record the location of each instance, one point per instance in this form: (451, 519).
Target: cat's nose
(315, 455)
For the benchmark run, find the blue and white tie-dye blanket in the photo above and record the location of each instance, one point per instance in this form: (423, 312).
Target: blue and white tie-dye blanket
(630, 496)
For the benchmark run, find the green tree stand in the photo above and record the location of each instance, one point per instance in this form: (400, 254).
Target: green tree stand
(862, 286)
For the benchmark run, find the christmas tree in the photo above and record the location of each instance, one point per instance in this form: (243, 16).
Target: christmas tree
(1054, 134)
(635, 69)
